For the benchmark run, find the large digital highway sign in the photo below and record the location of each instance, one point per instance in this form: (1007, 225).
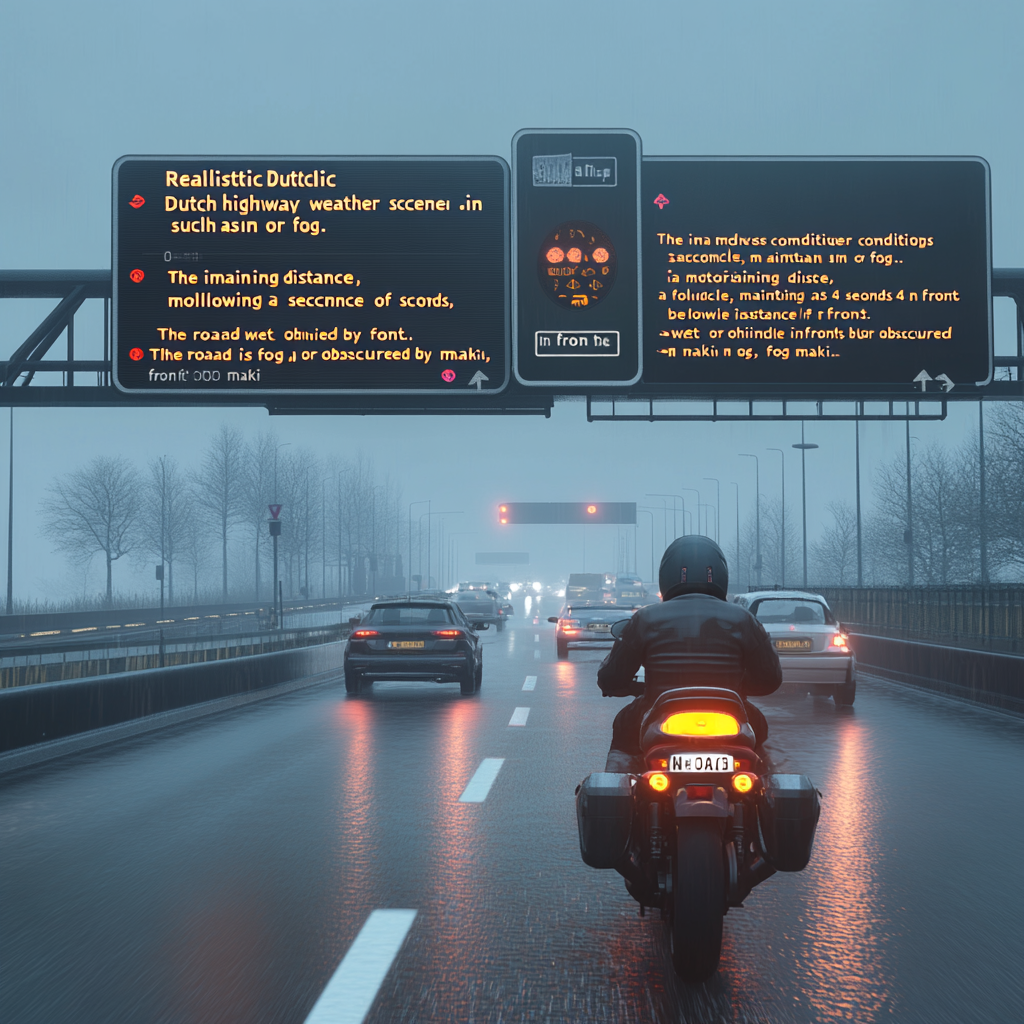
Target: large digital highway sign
(317, 275)
(589, 268)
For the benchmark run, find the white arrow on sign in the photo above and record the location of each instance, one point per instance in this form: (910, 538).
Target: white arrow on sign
(947, 384)
(923, 377)
(478, 379)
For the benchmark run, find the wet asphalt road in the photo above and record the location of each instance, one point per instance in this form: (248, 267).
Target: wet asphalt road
(219, 870)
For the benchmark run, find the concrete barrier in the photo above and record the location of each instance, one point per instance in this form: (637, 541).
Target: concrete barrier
(48, 711)
(980, 676)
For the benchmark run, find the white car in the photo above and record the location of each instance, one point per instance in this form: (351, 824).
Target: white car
(812, 646)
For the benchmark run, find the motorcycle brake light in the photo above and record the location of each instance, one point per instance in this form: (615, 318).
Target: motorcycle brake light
(700, 723)
(699, 792)
(363, 634)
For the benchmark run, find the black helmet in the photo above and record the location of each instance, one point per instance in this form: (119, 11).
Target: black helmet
(693, 565)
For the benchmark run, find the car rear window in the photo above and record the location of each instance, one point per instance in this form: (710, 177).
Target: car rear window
(790, 611)
(473, 596)
(406, 615)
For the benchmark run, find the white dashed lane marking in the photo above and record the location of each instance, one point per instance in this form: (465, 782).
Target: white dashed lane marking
(531, 682)
(483, 778)
(519, 716)
(536, 655)
(354, 985)
(536, 638)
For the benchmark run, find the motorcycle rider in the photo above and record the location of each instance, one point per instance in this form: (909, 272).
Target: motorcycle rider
(692, 638)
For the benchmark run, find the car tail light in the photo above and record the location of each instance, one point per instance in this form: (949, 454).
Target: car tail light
(364, 634)
(658, 781)
(699, 792)
(568, 623)
(839, 642)
(450, 634)
(744, 782)
(700, 723)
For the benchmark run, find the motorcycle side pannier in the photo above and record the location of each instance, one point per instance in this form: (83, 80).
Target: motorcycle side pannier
(788, 814)
(604, 815)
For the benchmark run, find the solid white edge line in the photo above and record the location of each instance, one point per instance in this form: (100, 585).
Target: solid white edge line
(531, 683)
(483, 778)
(519, 716)
(354, 985)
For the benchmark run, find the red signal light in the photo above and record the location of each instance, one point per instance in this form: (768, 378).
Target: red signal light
(591, 509)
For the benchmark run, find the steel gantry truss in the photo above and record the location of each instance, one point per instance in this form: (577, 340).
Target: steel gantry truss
(78, 388)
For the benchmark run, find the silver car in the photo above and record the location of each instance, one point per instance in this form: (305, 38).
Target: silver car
(812, 646)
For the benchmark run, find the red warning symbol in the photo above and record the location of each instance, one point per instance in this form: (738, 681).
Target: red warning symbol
(448, 375)
(661, 202)
(136, 354)
(136, 275)
(275, 511)
(136, 201)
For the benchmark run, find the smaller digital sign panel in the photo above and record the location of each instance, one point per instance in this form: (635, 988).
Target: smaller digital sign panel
(311, 275)
(539, 513)
(825, 273)
(576, 257)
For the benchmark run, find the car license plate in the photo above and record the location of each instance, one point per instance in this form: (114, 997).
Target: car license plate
(700, 763)
(600, 627)
(405, 645)
(792, 645)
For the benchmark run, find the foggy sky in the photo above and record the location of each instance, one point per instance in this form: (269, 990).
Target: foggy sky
(81, 85)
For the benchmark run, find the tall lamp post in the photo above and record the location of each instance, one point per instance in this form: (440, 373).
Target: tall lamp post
(428, 516)
(425, 501)
(804, 448)
(695, 491)
(782, 459)
(275, 532)
(648, 512)
(757, 508)
(718, 504)
(737, 486)
(682, 502)
(860, 560)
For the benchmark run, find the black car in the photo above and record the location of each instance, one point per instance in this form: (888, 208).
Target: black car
(482, 606)
(415, 638)
(588, 622)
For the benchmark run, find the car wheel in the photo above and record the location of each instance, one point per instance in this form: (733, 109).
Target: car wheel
(563, 649)
(479, 674)
(352, 682)
(845, 695)
(467, 684)
(500, 626)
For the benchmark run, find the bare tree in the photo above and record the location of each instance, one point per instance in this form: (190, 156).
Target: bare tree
(257, 492)
(834, 556)
(219, 488)
(95, 509)
(1004, 487)
(167, 503)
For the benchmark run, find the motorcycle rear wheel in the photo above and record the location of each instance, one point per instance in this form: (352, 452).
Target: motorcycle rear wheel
(698, 900)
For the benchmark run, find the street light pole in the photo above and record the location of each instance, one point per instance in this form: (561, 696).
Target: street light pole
(695, 491)
(737, 486)
(782, 458)
(757, 508)
(651, 514)
(682, 502)
(424, 501)
(10, 523)
(718, 505)
(804, 447)
(860, 560)
(908, 537)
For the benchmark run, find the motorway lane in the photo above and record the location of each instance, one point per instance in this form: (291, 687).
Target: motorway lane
(220, 870)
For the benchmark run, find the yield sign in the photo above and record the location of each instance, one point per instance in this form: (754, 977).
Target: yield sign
(275, 511)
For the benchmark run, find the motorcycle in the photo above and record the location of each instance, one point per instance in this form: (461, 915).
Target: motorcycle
(704, 823)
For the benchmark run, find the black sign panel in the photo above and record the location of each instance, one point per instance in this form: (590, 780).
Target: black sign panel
(571, 512)
(816, 272)
(311, 275)
(576, 257)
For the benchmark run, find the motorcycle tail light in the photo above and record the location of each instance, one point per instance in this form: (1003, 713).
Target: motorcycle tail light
(364, 634)
(840, 642)
(658, 781)
(700, 723)
(450, 634)
(699, 792)
(743, 782)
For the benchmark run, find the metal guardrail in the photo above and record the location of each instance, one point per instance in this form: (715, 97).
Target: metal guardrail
(985, 617)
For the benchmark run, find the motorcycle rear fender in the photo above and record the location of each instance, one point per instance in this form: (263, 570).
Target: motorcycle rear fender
(717, 807)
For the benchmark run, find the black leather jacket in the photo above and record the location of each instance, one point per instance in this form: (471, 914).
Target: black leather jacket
(691, 640)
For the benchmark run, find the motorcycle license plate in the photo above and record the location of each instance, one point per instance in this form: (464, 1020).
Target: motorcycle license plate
(700, 764)
(405, 645)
